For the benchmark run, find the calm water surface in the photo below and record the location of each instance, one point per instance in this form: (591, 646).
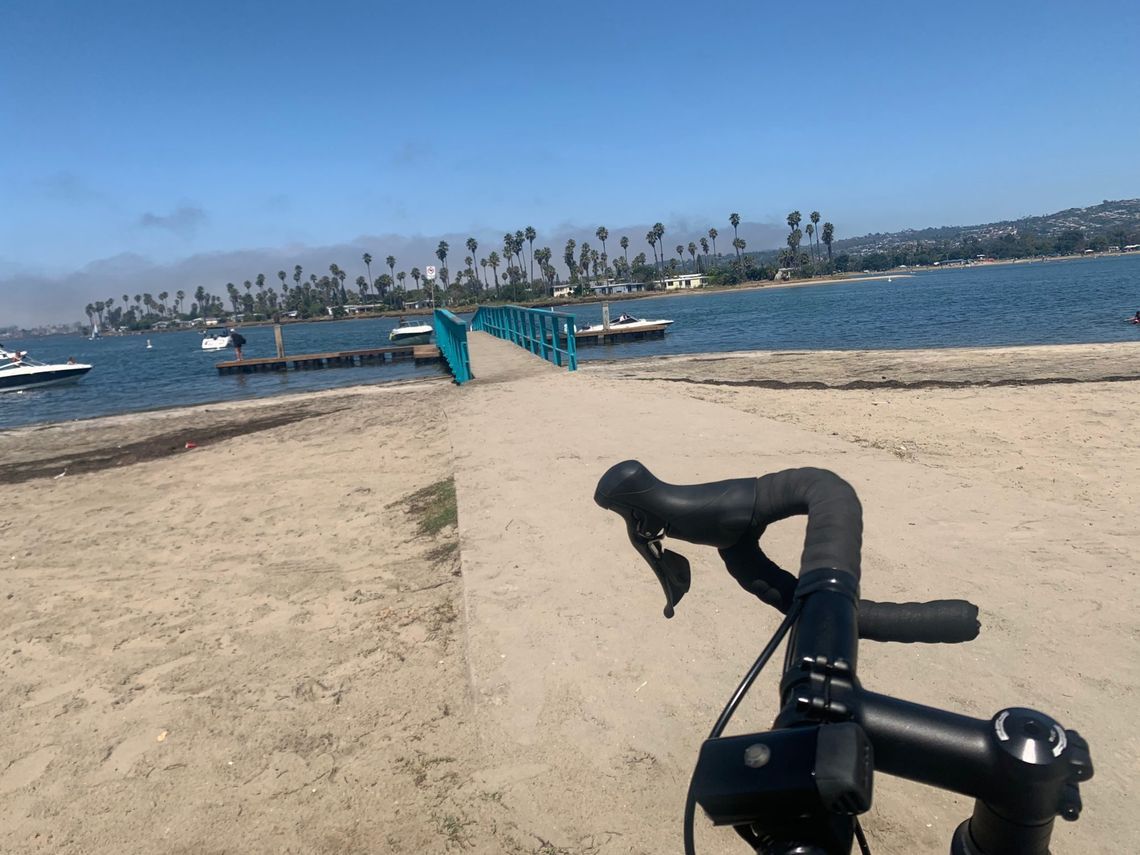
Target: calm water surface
(177, 372)
(1039, 303)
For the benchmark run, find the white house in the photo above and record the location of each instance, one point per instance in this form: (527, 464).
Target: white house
(685, 281)
(561, 290)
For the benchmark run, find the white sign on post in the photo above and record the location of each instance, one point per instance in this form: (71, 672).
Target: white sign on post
(429, 271)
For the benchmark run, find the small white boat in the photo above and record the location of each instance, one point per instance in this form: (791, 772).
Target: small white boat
(216, 341)
(411, 333)
(625, 323)
(149, 346)
(18, 372)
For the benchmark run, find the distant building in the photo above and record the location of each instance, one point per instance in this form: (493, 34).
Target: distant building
(1132, 247)
(691, 280)
(608, 288)
(561, 289)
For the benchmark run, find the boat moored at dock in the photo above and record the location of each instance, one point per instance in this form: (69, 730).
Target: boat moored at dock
(410, 333)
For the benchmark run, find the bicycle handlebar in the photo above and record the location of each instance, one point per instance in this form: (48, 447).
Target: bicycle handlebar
(733, 515)
(1022, 767)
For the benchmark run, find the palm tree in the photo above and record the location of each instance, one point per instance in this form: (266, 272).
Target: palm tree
(828, 237)
(368, 266)
(416, 276)
(472, 245)
(625, 247)
(391, 262)
(341, 276)
(530, 234)
(705, 250)
(738, 244)
(441, 254)
(734, 220)
(814, 217)
(400, 277)
(297, 275)
(493, 260)
(681, 255)
(693, 255)
(517, 244)
(179, 296)
(584, 260)
(794, 238)
(659, 230)
(603, 235)
(651, 238)
(483, 264)
(568, 259)
(712, 236)
(809, 230)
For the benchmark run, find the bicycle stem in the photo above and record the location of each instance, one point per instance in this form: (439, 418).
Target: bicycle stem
(1021, 766)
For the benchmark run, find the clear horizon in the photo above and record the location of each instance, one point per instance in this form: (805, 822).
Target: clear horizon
(145, 140)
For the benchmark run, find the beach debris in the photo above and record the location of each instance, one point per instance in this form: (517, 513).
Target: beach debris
(162, 736)
(191, 444)
(60, 475)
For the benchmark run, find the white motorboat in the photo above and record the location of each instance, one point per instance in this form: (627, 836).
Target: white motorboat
(625, 323)
(216, 340)
(18, 371)
(411, 333)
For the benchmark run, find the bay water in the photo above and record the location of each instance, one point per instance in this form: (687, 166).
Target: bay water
(1077, 301)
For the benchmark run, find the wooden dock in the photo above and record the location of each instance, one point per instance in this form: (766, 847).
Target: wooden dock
(340, 358)
(616, 334)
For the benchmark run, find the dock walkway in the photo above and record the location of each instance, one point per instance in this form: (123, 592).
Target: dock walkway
(494, 360)
(302, 361)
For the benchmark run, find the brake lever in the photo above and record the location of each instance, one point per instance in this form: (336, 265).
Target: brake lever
(671, 568)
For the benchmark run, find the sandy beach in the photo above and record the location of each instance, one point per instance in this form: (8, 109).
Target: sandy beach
(391, 619)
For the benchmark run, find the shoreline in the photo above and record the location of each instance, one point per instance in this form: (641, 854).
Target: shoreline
(751, 285)
(941, 367)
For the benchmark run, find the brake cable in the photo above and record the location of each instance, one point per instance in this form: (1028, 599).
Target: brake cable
(726, 714)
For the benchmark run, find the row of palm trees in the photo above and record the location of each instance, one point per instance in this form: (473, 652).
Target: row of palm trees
(812, 230)
(585, 265)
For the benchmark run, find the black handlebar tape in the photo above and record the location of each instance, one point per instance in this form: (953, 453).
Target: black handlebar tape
(759, 575)
(936, 622)
(835, 517)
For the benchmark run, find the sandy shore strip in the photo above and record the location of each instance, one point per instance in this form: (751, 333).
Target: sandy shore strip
(295, 637)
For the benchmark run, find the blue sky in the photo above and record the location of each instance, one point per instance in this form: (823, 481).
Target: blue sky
(171, 130)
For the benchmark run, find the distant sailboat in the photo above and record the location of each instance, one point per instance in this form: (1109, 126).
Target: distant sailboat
(149, 346)
(94, 332)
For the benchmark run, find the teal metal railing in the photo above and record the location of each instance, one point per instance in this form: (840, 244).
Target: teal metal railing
(543, 332)
(451, 336)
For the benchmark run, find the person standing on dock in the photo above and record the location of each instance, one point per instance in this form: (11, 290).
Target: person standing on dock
(237, 340)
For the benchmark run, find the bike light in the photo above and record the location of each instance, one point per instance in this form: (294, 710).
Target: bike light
(780, 775)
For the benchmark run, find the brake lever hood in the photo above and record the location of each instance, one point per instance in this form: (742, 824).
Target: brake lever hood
(671, 568)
